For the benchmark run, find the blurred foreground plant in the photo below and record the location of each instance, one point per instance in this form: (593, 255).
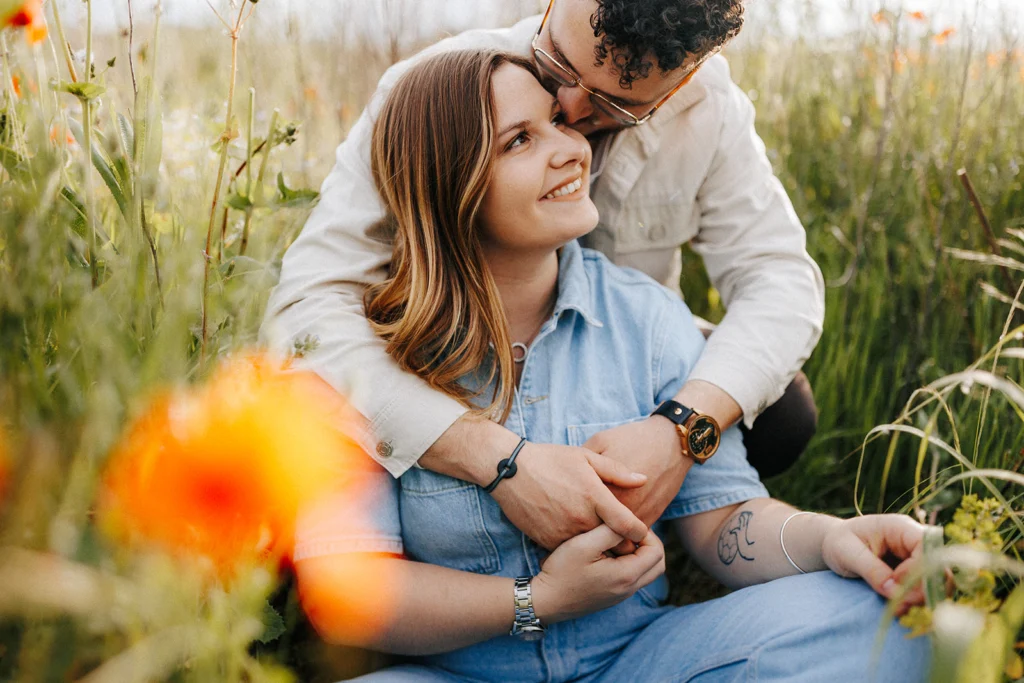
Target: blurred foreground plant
(221, 471)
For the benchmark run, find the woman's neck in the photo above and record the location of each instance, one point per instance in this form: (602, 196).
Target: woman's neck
(528, 285)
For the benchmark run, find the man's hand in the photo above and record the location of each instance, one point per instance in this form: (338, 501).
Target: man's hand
(650, 447)
(558, 491)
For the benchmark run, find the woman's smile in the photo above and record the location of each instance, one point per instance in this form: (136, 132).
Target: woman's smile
(570, 190)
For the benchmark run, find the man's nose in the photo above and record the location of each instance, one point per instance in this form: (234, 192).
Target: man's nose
(575, 104)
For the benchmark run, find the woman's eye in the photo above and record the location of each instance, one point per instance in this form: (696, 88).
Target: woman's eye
(518, 140)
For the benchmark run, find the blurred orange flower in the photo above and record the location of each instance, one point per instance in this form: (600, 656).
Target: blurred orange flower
(918, 16)
(881, 17)
(30, 15)
(944, 35)
(221, 470)
(55, 132)
(16, 84)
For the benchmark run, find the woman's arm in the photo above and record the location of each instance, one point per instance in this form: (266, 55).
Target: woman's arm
(740, 545)
(391, 604)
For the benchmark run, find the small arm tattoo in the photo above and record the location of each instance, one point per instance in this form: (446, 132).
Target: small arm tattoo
(734, 541)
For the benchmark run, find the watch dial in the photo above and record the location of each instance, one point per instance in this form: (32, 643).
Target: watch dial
(703, 437)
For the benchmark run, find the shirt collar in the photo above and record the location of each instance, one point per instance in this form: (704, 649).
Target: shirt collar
(574, 285)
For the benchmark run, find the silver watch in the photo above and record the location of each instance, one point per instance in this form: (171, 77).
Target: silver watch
(527, 626)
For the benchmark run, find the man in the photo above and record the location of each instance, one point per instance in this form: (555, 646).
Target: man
(676, 160)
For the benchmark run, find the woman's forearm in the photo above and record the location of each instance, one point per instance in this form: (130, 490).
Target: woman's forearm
(394, 605)
(741, 546)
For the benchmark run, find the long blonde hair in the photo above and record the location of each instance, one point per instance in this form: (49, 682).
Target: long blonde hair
(432, 159)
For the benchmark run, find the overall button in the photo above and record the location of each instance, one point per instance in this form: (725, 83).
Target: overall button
(384, 449)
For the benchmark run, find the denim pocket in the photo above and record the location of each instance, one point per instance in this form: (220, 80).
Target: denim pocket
(577, 435)
(443, 523)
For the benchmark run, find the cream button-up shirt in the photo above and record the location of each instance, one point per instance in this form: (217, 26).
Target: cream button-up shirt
(696, 172)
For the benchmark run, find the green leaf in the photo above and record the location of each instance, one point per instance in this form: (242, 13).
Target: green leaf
(239, 202)
(13, 164)
(106, 171)
(273, 625)
(289, 198)
(81, 90)
(124, 129)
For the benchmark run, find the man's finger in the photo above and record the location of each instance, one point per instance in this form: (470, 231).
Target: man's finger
(648, 557)
(614, 472)
(619, 517)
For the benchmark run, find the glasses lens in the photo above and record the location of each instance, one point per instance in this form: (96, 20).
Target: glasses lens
(553, 69)
(610, 110)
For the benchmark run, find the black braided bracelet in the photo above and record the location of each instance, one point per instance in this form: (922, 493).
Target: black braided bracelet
(507, 467)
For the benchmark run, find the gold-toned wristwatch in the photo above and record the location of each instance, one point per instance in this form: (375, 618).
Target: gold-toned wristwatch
(699, 434)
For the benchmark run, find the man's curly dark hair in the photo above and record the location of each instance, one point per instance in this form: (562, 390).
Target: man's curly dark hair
(631, 32)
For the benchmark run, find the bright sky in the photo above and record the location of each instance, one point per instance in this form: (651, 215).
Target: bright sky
(340, 17)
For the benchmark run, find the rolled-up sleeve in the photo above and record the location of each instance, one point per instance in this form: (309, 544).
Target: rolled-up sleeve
(755, 251)
(318, 304)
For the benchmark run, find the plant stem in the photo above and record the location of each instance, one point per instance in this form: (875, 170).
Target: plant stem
(972, 196)
(226, 138)
(248, 174)
(64, 46)
(90, 226)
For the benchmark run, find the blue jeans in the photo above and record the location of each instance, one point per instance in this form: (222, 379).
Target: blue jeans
(814, 628)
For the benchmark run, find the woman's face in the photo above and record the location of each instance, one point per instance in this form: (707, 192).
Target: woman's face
(539, 195)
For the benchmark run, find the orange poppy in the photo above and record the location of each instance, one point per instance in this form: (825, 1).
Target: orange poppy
(221, 471)
(918, 16)
(944, 35)
(881, 17)
(30, 16)
(16, 85)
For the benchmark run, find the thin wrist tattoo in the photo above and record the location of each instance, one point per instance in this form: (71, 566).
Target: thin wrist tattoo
(734, 541)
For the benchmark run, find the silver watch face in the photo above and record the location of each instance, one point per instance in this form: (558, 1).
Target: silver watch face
(530, 633)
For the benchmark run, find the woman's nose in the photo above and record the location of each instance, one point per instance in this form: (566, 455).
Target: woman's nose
(575, 104)
(569, 150)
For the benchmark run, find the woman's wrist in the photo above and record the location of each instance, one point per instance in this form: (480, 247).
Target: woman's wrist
(545, 600)
(803, 538)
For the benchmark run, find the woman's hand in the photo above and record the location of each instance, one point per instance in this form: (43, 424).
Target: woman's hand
(578, 578)
(855, 547)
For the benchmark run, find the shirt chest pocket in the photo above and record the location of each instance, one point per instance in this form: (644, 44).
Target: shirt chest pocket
(663, 220)
(443, 523)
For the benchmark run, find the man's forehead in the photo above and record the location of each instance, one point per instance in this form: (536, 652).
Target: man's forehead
(571, 33)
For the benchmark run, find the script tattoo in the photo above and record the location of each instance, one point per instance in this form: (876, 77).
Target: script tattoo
(733, 540)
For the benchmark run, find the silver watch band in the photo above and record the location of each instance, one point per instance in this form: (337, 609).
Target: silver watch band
(526, 624)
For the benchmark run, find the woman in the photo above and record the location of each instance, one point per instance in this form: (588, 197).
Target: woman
(491, 300)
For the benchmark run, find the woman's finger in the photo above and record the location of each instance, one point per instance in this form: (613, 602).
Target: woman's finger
(857, 558)
(614, 472)
(595, 542)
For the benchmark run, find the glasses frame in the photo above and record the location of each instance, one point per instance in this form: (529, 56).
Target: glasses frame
(573, 80)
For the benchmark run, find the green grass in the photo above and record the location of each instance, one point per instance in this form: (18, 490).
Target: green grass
(867, 150)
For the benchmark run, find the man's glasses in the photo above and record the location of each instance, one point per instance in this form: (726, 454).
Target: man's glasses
(565, 77)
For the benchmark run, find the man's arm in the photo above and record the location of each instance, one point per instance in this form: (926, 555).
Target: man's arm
(342, 249)
(754, 249)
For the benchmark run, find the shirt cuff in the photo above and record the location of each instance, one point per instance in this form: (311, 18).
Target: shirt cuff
(751, 388)
(402, 431)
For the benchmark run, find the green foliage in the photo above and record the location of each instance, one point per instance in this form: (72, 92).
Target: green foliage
(913, 299)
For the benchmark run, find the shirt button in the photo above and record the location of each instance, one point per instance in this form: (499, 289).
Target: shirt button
(384, 449)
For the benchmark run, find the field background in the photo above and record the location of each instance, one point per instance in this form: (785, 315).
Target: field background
(867, 115)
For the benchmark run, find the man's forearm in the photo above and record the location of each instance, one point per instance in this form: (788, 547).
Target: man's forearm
(710, 400)
(740, 546)
(470, 450)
